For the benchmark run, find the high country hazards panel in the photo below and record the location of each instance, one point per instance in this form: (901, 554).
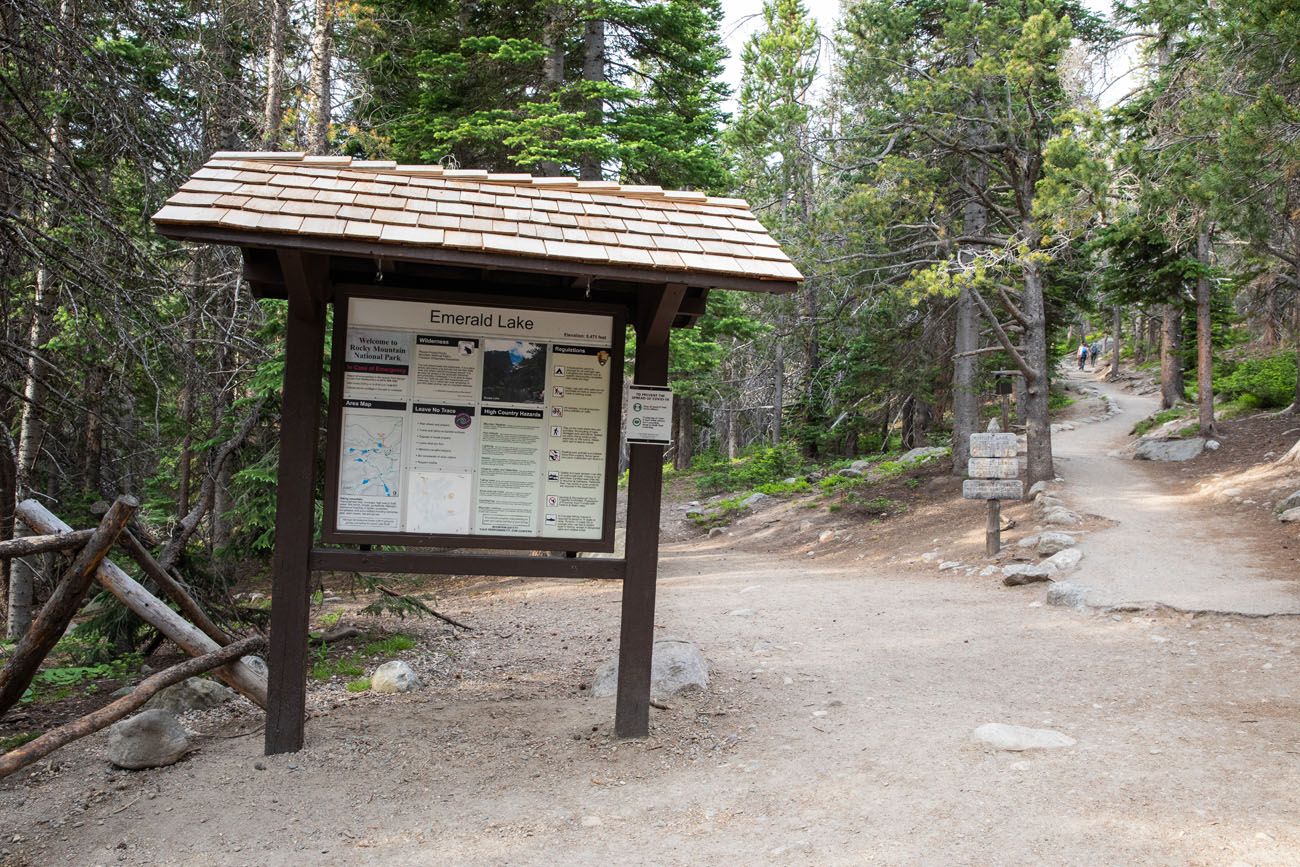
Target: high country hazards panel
(461, 420)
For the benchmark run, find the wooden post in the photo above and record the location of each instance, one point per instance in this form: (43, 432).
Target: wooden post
(304, 279)
(645, 486)
(993, 532)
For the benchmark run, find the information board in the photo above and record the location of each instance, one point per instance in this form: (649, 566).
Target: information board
(468, 420)
(650, 415)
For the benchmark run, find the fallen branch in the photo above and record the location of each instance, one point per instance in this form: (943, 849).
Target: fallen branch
(26, 546)
(49, 626)
(333, 635)
(188, 606)
(239, 675)
(111, 713)
(425, 608)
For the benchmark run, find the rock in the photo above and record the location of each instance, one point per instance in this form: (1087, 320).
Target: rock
(1212, 445)
(1290, 516)
(1067, 595)
(949, 564)
(1288, 503)
(753, 499)
(850, 473)
(1016, 574)
(860, 466)
(195, 693)
(394, 676)
(1037, 488)
(150, 739)
(258, 664)
(122, 691)
(1028, 542)
(675, 665)
(923, 455)
(1018, 738)
(1044, 503)
(1169, 449)
(826, 536)
(1061, 518)
(714, 532)
(1047, 544)
(1065, 559)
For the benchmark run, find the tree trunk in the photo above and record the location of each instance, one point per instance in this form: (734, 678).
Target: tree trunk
(683, 433)
(322, 48)
(1038, 427)
(1171, 366)
(1117, 332)
(93, 458)
(273, 113)
(1204, 337)
(593, 72)
(552, 66)
(778, 389)
(965, 397)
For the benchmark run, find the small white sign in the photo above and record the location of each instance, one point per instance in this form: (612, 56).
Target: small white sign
(650, 415)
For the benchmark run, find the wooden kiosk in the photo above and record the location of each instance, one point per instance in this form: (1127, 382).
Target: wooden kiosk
(440, 396)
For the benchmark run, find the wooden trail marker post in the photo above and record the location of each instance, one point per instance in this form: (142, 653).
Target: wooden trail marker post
(994, 469)
(479, 325)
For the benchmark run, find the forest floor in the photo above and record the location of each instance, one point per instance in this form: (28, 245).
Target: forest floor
(846, 678)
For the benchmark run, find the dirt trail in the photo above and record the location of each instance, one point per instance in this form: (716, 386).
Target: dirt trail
(1162, 549)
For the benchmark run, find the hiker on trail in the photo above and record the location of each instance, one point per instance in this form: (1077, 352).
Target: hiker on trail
(1082, 354)
(1093, 352)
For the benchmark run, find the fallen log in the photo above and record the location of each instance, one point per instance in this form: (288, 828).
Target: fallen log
(188, 606)
(29, 545)
(92, 722)
(241, 676)
(59, 609)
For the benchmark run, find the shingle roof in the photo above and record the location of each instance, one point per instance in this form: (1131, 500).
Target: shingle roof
(598, 222)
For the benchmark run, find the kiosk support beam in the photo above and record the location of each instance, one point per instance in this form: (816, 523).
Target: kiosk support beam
(305, 278)
(645, 486)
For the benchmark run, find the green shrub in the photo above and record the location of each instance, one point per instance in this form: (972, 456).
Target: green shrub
(1155, 420)
(758, 466)
(1270, 380)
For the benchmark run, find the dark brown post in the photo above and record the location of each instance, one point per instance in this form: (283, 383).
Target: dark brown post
(645, 485)
(304, 279)
(993, 532)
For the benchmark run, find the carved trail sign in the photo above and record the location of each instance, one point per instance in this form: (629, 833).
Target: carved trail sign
(993, 468)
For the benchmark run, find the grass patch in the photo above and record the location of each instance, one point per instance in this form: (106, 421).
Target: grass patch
(330, 619)
(13, 742)
(1058, 400)
(347, 666)
(389, 646)
(1151, 422)
(361, 684)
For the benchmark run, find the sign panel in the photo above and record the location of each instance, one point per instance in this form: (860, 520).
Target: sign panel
(992, 489)
(468, 420)
(993, 468)
(993, 445)
(650, 415)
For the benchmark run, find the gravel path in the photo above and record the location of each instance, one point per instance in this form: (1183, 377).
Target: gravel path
(1162, 549)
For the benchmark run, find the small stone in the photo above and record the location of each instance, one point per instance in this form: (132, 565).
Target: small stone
(741, 612)
(1061, 518)
(1212, 445)
(1067, 595)
(1290, 516)
(826, 536)
(1047, 544)
(946, 565)
(1017, 574)
(394, 676)
(715, 532)
(1065, 559)
(1288, 503)
(1019, 738)
(150, 739)
(259, 766)
(195, 693)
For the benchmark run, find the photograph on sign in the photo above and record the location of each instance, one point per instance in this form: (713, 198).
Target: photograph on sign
(473, 421)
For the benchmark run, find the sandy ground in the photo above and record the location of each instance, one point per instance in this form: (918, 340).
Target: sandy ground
(1160, 551)
(836, 730)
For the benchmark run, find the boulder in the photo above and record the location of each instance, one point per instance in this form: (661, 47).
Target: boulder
(1064, 559)
(1067, 595)
(150, 739)
(1290, 516)
(1028, 542)
(922, 455)
(1061, 518)
(753, 499)
(860, 466)
(1045, 503)
(394, 676)
(1047, 544)
(195, 693)
(1037, 488)
(1154, 449)
(1019, 738)
(1286, 504)
(675, 665)
(1016, 574)
(850, 473)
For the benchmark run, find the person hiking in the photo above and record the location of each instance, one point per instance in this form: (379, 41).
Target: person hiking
(1082, 354)
(1093, 352)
